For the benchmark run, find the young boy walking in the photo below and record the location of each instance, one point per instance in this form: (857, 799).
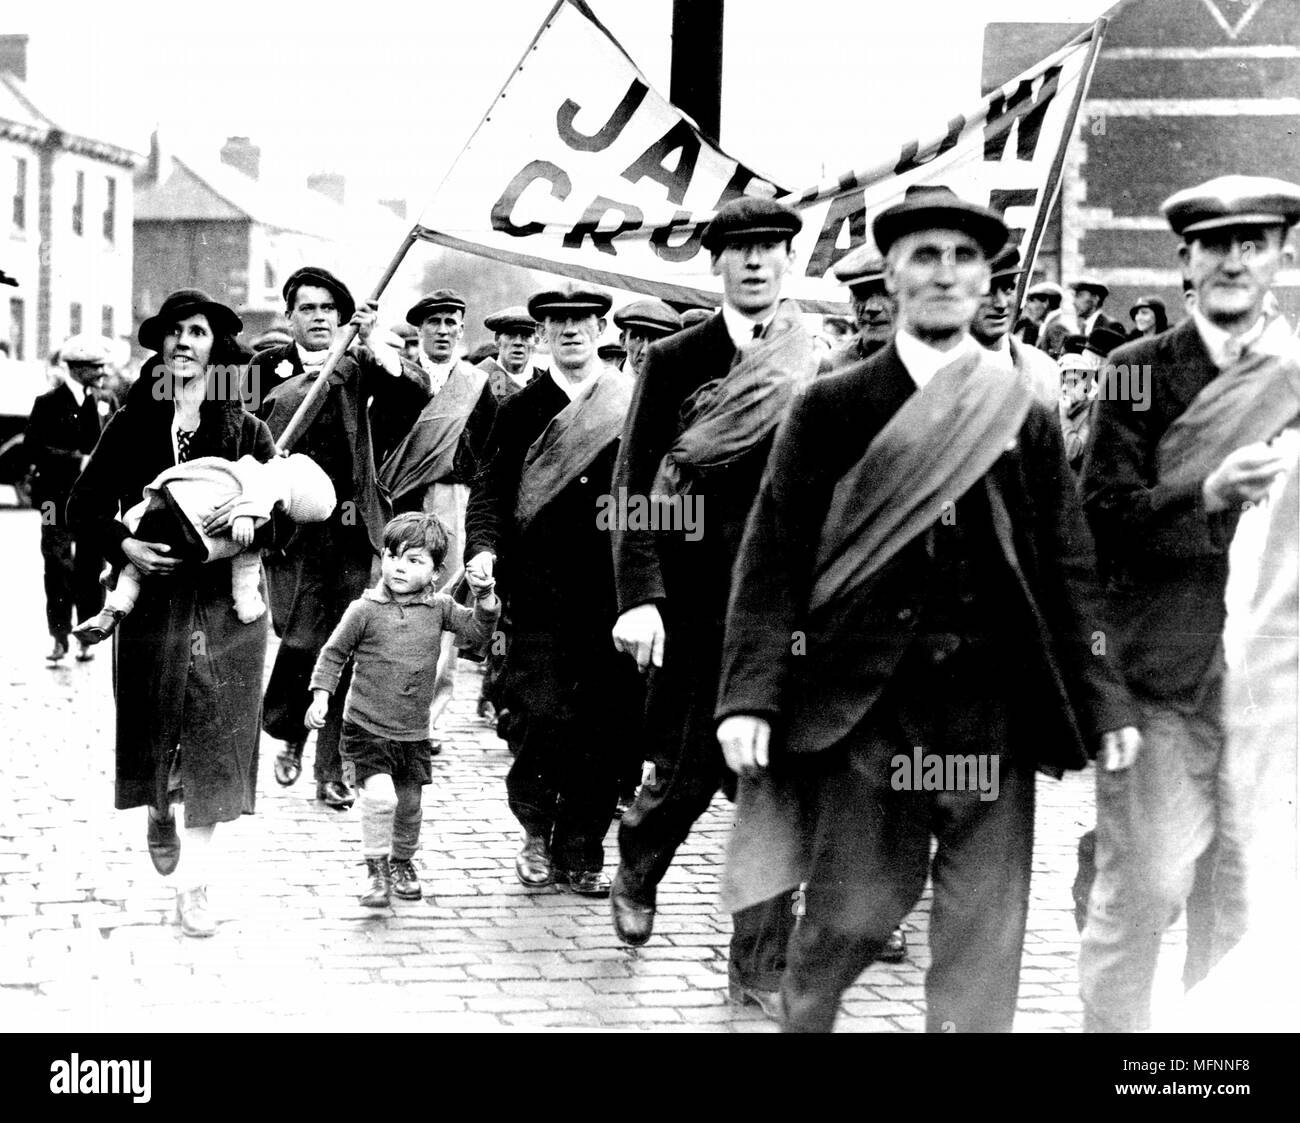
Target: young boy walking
(393, 633)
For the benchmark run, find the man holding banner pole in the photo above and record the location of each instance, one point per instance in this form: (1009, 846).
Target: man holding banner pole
(992, 329)
(908, 641)
(698, 434)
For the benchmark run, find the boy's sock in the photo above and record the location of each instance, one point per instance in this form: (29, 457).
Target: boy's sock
(378, 802)
(122, 597)
(245, 575)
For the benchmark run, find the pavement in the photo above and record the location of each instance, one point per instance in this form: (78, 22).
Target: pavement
(89, 942)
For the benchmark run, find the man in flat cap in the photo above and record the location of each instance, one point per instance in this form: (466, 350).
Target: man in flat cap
(325, 566)
(440, 457)
(1089, 296)
(699, 430)
(992, 325)
(1163, 487)
(1040, 300)
(516, 336)
(918, 534)
(533, 521)
(641, 323)
(62, 430)
(873, 308)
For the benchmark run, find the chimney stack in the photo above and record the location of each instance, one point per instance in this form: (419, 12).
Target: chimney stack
(13, 55)
(329, 184)
(243, 155)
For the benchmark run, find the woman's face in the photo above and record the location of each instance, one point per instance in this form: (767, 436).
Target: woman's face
(1144, 320)
(187, 347)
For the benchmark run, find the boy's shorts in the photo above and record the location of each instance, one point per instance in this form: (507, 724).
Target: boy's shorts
(367, 754)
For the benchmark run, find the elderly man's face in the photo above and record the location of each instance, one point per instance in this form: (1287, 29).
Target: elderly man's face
(752, 273)
(88, 374)
(636, 344)
(314, 317)
(993, 318)
(572, 339)
(1232, 269)
(440, 333)
(514, 349)
(873, 312)
(938, 278)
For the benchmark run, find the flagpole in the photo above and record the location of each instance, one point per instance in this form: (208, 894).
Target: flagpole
(306, 412)
(1054, 175)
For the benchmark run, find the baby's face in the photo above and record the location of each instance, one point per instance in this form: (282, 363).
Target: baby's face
(410, 571)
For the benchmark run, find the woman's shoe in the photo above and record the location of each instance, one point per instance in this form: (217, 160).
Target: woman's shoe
(59, 650)
(164, 842)
(99, 627)
(193, 913)
(288, 763)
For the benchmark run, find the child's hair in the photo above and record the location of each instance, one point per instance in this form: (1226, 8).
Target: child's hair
(415, 528)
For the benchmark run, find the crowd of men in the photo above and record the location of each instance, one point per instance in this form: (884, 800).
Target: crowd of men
(895, 562)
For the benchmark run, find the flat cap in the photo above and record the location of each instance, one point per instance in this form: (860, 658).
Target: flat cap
(404, 331)
(1233, 200)
(272, 337)
(86, 348)
(1007, 263)
(693, 316)
(750, 219)
(862, 266)
(321, 278)
(1091, 284)
(611, 353)
(928, 208)
(515, 318)
(650, 317)
(571, 300)
(440, 300)
(1046, 290)
(1102, 341)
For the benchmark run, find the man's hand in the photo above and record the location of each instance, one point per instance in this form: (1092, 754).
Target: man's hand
(1119, 748)
(150, 558)
(640, 632)
(365, 318)
(744, 743)
(219, 521)
(317, 711)
(1245, 476)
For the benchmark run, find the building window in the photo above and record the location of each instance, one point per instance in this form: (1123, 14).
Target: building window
(268, 276)
(20, 193)
(110, 208)
(18, 328)
(79, 207)
(106, 321)
(74, 318)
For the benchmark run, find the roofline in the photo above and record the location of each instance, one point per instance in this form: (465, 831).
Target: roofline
(51, 133)
(235, 206)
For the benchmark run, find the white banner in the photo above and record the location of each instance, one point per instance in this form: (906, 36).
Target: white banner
(580, 168)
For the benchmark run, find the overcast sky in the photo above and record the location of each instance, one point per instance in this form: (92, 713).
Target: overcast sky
(387, 91)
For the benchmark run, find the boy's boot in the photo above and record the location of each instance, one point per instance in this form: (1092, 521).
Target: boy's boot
(406, 882)
(376, 895)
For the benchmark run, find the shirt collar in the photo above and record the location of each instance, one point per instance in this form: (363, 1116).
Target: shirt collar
(923, 362)
(1268, 337)
(572, 390)
(438, 372)
(312, 360)
(741, 327)
(1000, 353)
(77, 388)
(380, 595)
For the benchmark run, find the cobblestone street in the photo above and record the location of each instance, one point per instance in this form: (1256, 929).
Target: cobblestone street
(88, 939)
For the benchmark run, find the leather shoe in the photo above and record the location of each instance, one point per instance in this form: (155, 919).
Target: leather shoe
(746, 994)
(586, 883)
(192, 912)
(288, 763)
(533, 862)
(335, 794)
(895, 949)
(58, 651)
(406, 881)
(633, 921)
(164, 843)
(99, 627)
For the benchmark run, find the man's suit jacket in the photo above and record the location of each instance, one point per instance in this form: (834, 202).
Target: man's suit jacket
(59, 433)
(814, 699)
(1164, 560)
(658, 566)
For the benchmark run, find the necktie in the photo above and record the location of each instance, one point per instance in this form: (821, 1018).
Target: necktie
(758, 332)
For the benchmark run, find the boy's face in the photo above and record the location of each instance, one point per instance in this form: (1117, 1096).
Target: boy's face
(410, 571)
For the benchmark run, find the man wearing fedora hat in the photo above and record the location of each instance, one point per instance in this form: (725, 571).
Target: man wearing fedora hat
(326, 565)
(1164, 487)
(918, 533)
(62, 430)
(534, 522)
(700, 426)
(873, 308)
(515, 335)
(992, 327)
(641, 323)
(433, 466)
